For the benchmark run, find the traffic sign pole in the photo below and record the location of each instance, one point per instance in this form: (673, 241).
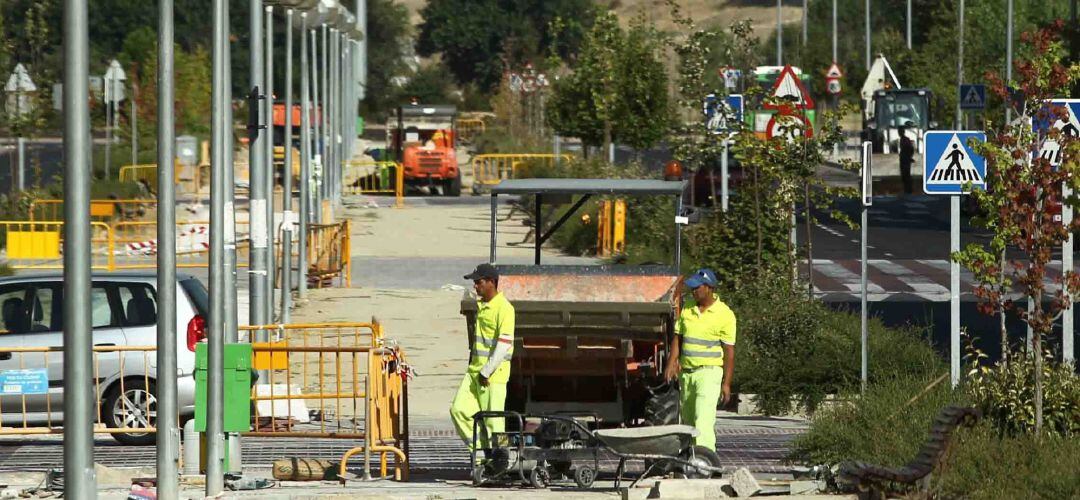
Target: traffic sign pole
(286, 179)
(867, 200)
(215, 398)
(954, 290)
(724, 177)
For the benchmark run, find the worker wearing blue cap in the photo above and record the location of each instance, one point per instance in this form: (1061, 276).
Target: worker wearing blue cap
(703, 357)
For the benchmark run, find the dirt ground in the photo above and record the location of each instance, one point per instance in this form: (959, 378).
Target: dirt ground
(408, 267)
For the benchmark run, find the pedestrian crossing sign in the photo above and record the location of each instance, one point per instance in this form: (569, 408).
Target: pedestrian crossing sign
(972, 96)
(949, 165)
(1068, 122)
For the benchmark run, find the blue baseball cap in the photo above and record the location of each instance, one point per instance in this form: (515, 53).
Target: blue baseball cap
(701, 277)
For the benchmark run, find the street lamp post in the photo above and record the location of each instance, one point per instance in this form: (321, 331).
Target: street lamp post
(286, 179)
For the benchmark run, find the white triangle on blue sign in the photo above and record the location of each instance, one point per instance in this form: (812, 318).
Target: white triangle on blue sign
(954, 167)
(1051, 150)
(973, 97)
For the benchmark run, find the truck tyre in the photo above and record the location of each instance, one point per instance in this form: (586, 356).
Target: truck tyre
(452, 187)
(662, 405)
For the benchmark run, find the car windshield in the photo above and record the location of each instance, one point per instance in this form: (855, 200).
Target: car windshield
(903, 109)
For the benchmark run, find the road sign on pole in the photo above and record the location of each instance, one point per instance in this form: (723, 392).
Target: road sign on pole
(720, 112)
(867, 184)
(832, 79)
(950, 166)
(790, 89)
(972, 96)
(788, 126)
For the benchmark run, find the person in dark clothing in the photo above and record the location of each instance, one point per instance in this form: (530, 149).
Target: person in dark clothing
(907, 157)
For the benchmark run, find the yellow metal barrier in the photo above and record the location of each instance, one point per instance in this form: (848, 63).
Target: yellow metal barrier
(611, 228)
(469, 128)
(39, 244)
(189, 179)
(375, 177)
(350, 370)
(122, 378)
(100, 210)
(490, 169)
(329, 254)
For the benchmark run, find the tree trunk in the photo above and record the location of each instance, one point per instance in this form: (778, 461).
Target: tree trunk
(809, 247)
(1001, 314)
(1037, 344)
(607, 139)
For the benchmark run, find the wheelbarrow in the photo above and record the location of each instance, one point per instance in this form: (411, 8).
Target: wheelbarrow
(543, 446)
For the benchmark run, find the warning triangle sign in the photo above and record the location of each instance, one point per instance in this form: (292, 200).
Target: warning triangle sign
(834, 71)
(790, 90)
(973, 98)
(954, 166)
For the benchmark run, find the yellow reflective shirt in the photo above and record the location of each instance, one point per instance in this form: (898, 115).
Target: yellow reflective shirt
(704, 334)
(494, 322)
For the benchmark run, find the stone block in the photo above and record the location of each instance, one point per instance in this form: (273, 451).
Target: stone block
(743, 483)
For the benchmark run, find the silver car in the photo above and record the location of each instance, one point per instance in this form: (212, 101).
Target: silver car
(124, 313)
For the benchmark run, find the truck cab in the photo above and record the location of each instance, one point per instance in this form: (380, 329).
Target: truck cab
(891, 109)
(423, 138)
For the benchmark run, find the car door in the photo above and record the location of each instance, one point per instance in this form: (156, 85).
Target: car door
(13, 325)
(106, 321)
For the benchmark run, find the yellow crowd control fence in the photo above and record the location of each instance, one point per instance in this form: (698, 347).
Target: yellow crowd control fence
(189, 178)
(39, 244)
(329, 253)
(122, 376)
(469, 128)
(611, 228)
(490, 169)
(375, 177)
(353, 378)
(334, 380)
(100, 210)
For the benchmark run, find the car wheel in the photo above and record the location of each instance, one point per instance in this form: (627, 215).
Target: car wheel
(135, 407)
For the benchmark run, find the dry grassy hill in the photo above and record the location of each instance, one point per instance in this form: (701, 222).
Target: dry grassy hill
(705, 12)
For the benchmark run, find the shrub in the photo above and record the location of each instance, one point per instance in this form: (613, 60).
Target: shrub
(985, 465)
(1006, 394)
(790, 348)
(882, 427)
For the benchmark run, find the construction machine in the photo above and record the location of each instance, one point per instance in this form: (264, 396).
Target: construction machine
(423, 138)
(887, 107)
(588, 338)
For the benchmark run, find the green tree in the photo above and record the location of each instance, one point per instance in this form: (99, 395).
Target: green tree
(388, 41)
(617, 88)
(481, 39)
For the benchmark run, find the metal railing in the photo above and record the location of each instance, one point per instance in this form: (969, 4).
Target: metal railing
(469, 128)
(355, 376)
(490, 169)
(27, 406)
(329, 253)
(38, 244)
(189, 178)
(100, 210)
(375, 177)
(611, 228)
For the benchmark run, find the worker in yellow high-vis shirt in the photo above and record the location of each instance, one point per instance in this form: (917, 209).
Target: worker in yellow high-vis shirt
(484, 385)
(703, 357)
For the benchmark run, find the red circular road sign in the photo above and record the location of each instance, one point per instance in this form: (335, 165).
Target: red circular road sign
(788, 126)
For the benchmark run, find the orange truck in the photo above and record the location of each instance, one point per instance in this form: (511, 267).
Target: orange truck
(279, 139)
(422, 139)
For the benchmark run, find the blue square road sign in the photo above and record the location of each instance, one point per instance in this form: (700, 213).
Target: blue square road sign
(950, 164)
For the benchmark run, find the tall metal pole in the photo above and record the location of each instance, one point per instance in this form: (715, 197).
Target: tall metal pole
(959, 64)
(1008, 60)
(834, 30)
(258, 281)
(232, 330)
(316, 209)
(286, 179)
(21, 146)
(805, 11)
(305, 157)
(79, 477)
(954, 290)
(334, 103)
(108, 128)
(327, 106)
(909, 24)
(868, 59)
(779, 33)
(215, 389)
(134, 129)
(168, 435)
(361, 49)
(864, 309)
(271, 234)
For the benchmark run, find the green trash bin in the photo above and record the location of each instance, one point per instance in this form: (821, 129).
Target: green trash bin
(237, 387)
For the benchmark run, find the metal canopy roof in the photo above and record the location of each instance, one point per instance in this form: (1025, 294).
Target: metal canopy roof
(589, 186)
